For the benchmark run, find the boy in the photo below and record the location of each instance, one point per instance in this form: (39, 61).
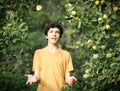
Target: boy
(51, 64)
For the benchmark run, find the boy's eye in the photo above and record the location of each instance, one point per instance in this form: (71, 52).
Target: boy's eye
(58, 32)
(55, 32)
(50, 31)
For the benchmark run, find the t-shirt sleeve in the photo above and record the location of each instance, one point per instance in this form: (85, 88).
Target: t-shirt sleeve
(69, 64)
(36, 61)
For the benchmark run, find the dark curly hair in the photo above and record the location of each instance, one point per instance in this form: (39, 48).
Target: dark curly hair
(53, 25)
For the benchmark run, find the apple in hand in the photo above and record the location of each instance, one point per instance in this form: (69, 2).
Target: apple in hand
(73, 80)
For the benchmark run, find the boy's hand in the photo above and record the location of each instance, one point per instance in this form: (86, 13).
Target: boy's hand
(71, 80)
(31, 79)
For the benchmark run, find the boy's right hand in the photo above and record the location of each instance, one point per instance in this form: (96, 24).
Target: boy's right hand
(31, 79)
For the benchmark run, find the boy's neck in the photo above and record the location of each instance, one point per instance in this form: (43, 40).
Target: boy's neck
(52, 48)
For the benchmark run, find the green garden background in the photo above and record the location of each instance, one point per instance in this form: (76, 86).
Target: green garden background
(91, 35)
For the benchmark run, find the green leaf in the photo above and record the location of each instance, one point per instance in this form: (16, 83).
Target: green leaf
(21, 25)
(79, 24)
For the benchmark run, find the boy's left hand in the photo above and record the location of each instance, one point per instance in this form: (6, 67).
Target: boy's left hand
(71, 80)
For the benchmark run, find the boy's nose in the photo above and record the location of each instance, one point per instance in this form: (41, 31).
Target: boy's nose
(54, 33)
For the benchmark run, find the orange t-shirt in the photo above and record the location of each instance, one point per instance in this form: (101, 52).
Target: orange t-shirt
(52, 68)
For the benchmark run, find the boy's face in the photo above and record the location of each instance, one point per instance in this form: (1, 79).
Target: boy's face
(53, 35)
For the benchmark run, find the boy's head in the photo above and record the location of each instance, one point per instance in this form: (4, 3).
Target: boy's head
(54, 25)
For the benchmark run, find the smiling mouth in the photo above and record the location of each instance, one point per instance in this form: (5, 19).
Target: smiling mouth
(54, 38)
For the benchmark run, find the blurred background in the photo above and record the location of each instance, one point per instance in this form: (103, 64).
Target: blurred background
(91, 35)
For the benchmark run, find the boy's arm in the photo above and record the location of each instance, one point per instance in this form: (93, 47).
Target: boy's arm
(37, 74)
(67, 76)
(69, 79)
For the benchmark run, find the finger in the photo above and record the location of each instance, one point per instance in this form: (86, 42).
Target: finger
(26, 75)
(30, 83)
(27, 83)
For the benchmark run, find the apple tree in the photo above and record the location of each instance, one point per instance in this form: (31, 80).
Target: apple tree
(21, 29)
(96, 30)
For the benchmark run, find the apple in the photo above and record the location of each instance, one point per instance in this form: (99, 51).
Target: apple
(73, 80)
(105, 16)
(107, 26)
(102, 1)
(39, 7)
(103, 47)
(115, 9)
(97, 2)
(73, 12)
(108, 55)
(100, 19)
(87, 71)
(94, 47)
(89, 41)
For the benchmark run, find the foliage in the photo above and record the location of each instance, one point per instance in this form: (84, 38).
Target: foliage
(21, 25)
(13, 40)
(98, 21)
(92, 35)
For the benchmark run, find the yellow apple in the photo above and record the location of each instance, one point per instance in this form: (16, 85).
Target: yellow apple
(102, 1)
(73, 12)
(39, 7)
(100, 19)
(97, 2)
(108, 55)
(107, 26)
(115, 9)
(90, 41)
(94, 47)
(87, 71)
(105, 16)
(103, 47)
